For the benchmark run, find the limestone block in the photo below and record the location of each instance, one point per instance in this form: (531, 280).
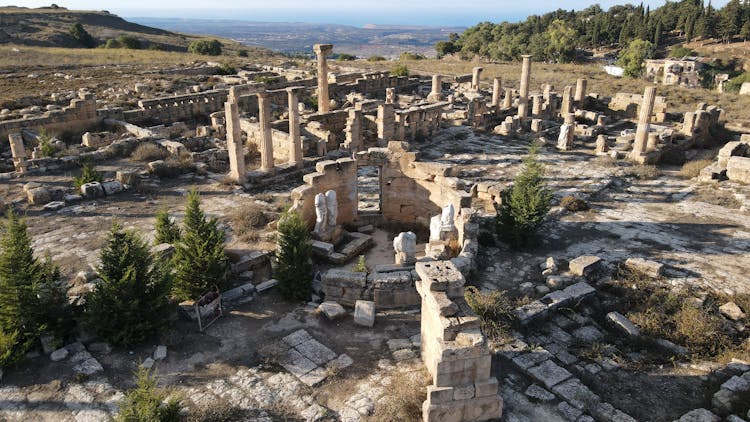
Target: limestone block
(160, 353)
(486, 388)
(732, 311)
(463, 392)
(266, 285)
(112, 187)
(622, 323)
(92, 190)
(129, 178)
(585, 266)
(439, 394)
(732, 149)
(441, 276)
(39, 195)
(59, 354)
(364, 313)
(332, 310)
(645, 267)
(738, 169)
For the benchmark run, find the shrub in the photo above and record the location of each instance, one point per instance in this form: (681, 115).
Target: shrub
(524, 204)
(226, 69)
(112, 43)
(201, 265)
(31, 301)
(404, 399)
(361, 266)
(242, 53)
(147, 403)
(631, 58)
(734, 84)
(81, 35)
(131, 304)
(410, 56)
(173, 167)
(167, 230)
(494, 310)
(129, 42)
(680, 51)
(205, 47)
(376, 59)
(294, 254)
(46, 149)
(246, 219)
(149, 151)
(88, 175)
(644, 172)
(573, 204)
(346, 57)
(693, 168)
(400, 70)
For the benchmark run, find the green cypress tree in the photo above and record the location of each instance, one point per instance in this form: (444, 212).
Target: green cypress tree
(167, 231)
(294, 254)
(19, 277)
(147, 402)
(524, 204)
(52, 310)
(132, 303)
(200, 263)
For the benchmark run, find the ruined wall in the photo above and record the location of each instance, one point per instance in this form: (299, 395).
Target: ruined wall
(280, 139)
(340, 176)
(79, 115)
(454, 350)
(329, 126)
(630, 105)
(418, 123)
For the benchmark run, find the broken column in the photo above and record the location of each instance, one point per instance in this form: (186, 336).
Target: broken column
(601, 144)
(496, 90)
(567, 133)
(18, 151)
(644, 121)
(523, 101)
(405, 247)
(385, 120)
(508, 100)
(266, 139)
(235, 146)
(580, 91)
(354, 130)
(567, 100)
(536, 106)
(437, 89)
(323, 51)
(295, 140)
(476, 74)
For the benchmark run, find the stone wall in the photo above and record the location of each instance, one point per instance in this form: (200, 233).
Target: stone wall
(630, 104)
(418, 123)
(340, 176)
(79, 115)
(389, 290)
(280, 139)
(454, 350)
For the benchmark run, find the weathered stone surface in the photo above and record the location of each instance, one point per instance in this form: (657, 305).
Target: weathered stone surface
(576, 394)
(160, 353)
(112, 187)
(645, 267)
(266, 285)
(92, 190)
(699, 415)
(622, 323)
(59, 355)
(585, 266)
(732, 311)
(538, 393)
(332, 310)
(364, 313)
(549, 373)
(738, 169)
(148, 363)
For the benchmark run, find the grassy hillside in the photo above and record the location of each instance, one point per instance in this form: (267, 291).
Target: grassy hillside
(50, 27)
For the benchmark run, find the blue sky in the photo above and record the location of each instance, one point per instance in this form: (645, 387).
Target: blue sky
(353, 12)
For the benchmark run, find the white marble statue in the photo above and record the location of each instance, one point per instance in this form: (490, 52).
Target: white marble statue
(405, 246)
(563, 141)
(333, 208)
(321, 213)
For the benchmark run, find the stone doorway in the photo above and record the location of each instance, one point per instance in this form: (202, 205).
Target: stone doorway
(369, 190)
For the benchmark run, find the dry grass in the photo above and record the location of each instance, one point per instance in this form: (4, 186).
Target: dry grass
(403, 401)
(149, 151)
(21, 55)
(711, 194)
(247, 220)
(573, 204)
(644, 172)
(693, 168)
(494, 309)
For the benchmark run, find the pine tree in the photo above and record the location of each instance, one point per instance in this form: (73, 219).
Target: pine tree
(147, 403)
(525, 204)
(657, 33)
(167, 231)
(52, 310)
(131, 304)
(19, 278)
(201, 265)
(294, 253)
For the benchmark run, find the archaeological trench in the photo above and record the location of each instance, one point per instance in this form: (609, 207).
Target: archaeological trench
(408, 172)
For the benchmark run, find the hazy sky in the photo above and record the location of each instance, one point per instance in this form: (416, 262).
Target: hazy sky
(355, 12)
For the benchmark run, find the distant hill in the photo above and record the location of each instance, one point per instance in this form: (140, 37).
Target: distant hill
(50, 27)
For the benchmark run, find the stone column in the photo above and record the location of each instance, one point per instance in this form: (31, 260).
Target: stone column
(18, 151)
(266, 137)
(547, 91)
(295, 140)
(536, 107)
(688, 124)
(580, 91)
(508, 100)
(476, 74)
(354, 130)
(386, 119)
(567, 100)
(235, 147)
(523, 102)
(496, 89)
(644, 121)
(437, 89)
(323, 51)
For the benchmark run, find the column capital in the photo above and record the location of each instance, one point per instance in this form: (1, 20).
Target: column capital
(294, 89)
(324, 49)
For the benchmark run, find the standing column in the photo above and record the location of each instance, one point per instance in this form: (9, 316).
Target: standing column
(235, 147)
(295, 141)
(580, 91)
(386, 120)
(323, 51)
(436, 94)
(496, 88)
(536, 107)
(523, 101)
(508, 100)
(644, 121)
(476, 74)
(566, 101)
(266, 139)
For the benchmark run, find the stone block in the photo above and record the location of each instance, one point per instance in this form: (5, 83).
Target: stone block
(112, 187)
(623, 324)
(332, 310)
(364, 313)
(59, 354)
(463, 392)
(486, 388)
(441, 276)
(738, 169)
(549, 373)
(262, 287)
(699, 415)
(92, 190)
(732, 311)
(240, 294)
(643, 266)
(160, 353)
(54, 206)
(39, 195)
(586, 266)
(576, 394)
(439, 394)
(148, 363)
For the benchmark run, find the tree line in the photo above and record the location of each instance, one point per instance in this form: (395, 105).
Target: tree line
(556, 36)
